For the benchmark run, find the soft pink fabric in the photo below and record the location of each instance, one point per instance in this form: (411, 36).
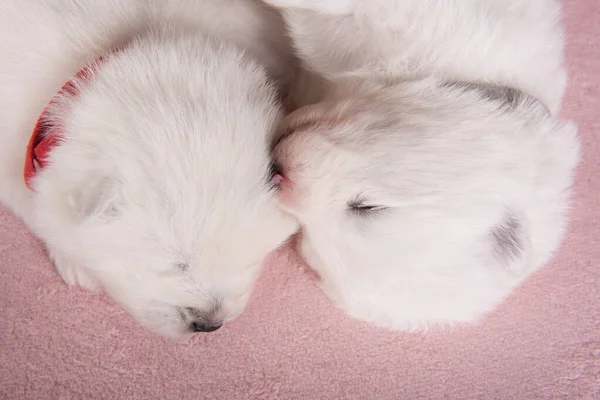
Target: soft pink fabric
(292, 343)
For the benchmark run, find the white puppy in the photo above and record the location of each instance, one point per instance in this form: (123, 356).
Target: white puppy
(148, 172)
(434, 175)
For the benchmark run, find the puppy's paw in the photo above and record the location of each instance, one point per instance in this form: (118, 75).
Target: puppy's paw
(72, 273)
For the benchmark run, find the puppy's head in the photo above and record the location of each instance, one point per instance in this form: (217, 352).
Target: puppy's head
(160, 189)
(425, 173)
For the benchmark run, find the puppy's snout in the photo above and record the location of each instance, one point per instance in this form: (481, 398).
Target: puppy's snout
(203, 320)
(200, 326)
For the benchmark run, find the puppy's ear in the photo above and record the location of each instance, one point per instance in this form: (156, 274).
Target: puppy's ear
(324, 115)
(507, 98)
(361, 117)
(510, 245)
(94, 198)
(334, 7)
(306, 117)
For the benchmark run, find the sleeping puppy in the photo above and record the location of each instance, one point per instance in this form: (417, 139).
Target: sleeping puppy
(434, 175)
(147, 175)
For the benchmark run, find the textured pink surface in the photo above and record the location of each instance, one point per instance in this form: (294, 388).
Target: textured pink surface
(543, 343)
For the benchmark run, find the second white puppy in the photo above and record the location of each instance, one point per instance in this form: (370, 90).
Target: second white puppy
(434, 175)
(147, 174)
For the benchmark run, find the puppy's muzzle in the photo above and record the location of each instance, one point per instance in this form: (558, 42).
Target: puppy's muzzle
(201, 321)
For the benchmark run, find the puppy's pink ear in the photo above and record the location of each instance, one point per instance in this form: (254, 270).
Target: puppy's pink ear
(334, 7)
(324, 115)
(304, 117)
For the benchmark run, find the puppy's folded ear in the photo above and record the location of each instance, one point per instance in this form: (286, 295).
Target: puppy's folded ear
(305, 117)
(94, 198)
(335, 7)
(510, 245)
(324, 115)
(361, 116)
(507, 98)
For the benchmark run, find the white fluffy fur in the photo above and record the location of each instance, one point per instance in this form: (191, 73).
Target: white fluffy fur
(159, 193)
(470, 180)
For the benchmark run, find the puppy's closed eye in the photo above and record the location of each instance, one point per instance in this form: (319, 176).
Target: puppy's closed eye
(360, 207)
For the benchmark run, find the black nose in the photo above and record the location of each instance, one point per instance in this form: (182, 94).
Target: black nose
(203, 327)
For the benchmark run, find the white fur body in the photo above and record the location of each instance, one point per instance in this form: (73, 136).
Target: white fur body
(470, 181)
(159, 192)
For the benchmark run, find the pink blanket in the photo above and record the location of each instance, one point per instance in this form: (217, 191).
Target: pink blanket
(292, 343)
